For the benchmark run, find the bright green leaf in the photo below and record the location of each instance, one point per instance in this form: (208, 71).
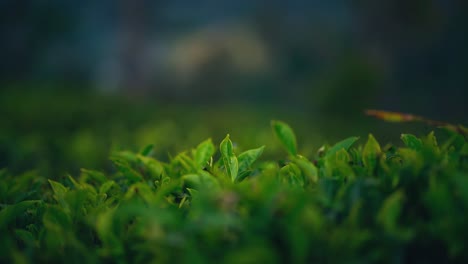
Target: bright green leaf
(153, 167)
(107, 186)
(229, 159)
(75, 183)
(200, 180)
(342, 156)
(308, 168)
(226, 147)
(59, 190)
(431, 142)
(344, 144)
(184, 160)
(142, 190)
(247, 158)
(92, 176)
(292, 175)
(285, 135)
(411, 141)
(371, 153)
(146, 151)
(126, 156)
(127, 171)
(203, 153)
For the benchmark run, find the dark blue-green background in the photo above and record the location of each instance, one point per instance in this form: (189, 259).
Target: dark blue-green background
(318, 56)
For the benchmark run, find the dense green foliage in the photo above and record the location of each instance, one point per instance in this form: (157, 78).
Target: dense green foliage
(351, 202)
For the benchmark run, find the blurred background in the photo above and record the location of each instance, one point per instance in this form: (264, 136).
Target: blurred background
(81, 78)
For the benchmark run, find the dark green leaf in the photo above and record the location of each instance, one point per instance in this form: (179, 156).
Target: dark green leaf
(146, 151)
(11, 212)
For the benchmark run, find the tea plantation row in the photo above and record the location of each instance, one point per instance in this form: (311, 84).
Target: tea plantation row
(356, 201)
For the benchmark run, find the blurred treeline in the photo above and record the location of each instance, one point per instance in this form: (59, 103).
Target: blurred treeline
(321, 57)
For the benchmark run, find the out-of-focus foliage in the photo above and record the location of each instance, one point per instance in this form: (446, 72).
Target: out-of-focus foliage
(352, 202)
(58, 132)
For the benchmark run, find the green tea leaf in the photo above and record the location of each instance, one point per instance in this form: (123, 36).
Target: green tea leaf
(247, 158)
(411, 159)
(431, 141)
(342, 156)
(126, 156)
(411, 141)
(192, 192)
(91, 176)
(203, 153)
(390, 211)
(371, 153)
(226, 147)
(184, 160)
(201, 180)
(59, 190)
(344, 144)
(146, 151)
(107, 186)
(142, 190)
(127, 171)
(292, 175)
(229, 159)
(243, 175)
(285, 135)
(308, 168)
(75, 183)
(153, 167)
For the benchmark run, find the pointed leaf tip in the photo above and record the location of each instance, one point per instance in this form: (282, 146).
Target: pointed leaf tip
(204, 152)
(285, 135)
(247, 158)
(411, 141)
(344, 144)
(229, 158)
(371, 153)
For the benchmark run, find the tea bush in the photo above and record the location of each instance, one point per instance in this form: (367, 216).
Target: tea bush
(349, 203)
